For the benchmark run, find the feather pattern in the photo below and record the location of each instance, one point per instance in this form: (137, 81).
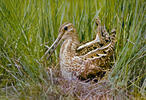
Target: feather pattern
(84, 60)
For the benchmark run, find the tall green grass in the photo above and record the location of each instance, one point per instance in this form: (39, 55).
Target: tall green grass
(26, 26)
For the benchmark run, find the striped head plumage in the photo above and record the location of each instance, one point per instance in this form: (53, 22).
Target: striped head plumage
(66, 31)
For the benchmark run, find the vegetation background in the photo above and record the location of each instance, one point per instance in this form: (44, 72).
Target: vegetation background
(26, 26)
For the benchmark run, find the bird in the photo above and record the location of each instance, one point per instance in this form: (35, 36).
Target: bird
(83, 61)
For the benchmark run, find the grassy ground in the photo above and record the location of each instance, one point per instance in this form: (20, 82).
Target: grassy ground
(26, 26)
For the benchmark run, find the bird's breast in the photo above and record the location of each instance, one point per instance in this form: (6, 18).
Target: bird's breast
(67, 51)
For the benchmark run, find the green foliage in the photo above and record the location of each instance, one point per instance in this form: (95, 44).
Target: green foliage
(27, 25)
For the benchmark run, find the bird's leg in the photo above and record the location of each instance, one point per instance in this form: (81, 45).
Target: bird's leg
(102, 34)
(113, 33)
(99, 30)
(97, 39)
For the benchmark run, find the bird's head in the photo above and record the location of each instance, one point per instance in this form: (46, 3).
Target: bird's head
(66, 31)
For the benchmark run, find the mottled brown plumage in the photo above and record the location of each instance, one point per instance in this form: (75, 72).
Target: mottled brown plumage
(89, 59)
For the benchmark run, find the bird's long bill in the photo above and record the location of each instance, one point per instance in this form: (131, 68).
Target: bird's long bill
(54, 45)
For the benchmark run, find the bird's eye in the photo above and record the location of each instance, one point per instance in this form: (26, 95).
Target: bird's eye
(96, 23)
(65, 28)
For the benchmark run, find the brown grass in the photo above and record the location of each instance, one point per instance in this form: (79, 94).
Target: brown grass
(87, 90)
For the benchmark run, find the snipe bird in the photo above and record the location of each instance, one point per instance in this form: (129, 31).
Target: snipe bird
(83, 60)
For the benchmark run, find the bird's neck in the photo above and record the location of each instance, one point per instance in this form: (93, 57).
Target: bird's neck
(68, 48)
